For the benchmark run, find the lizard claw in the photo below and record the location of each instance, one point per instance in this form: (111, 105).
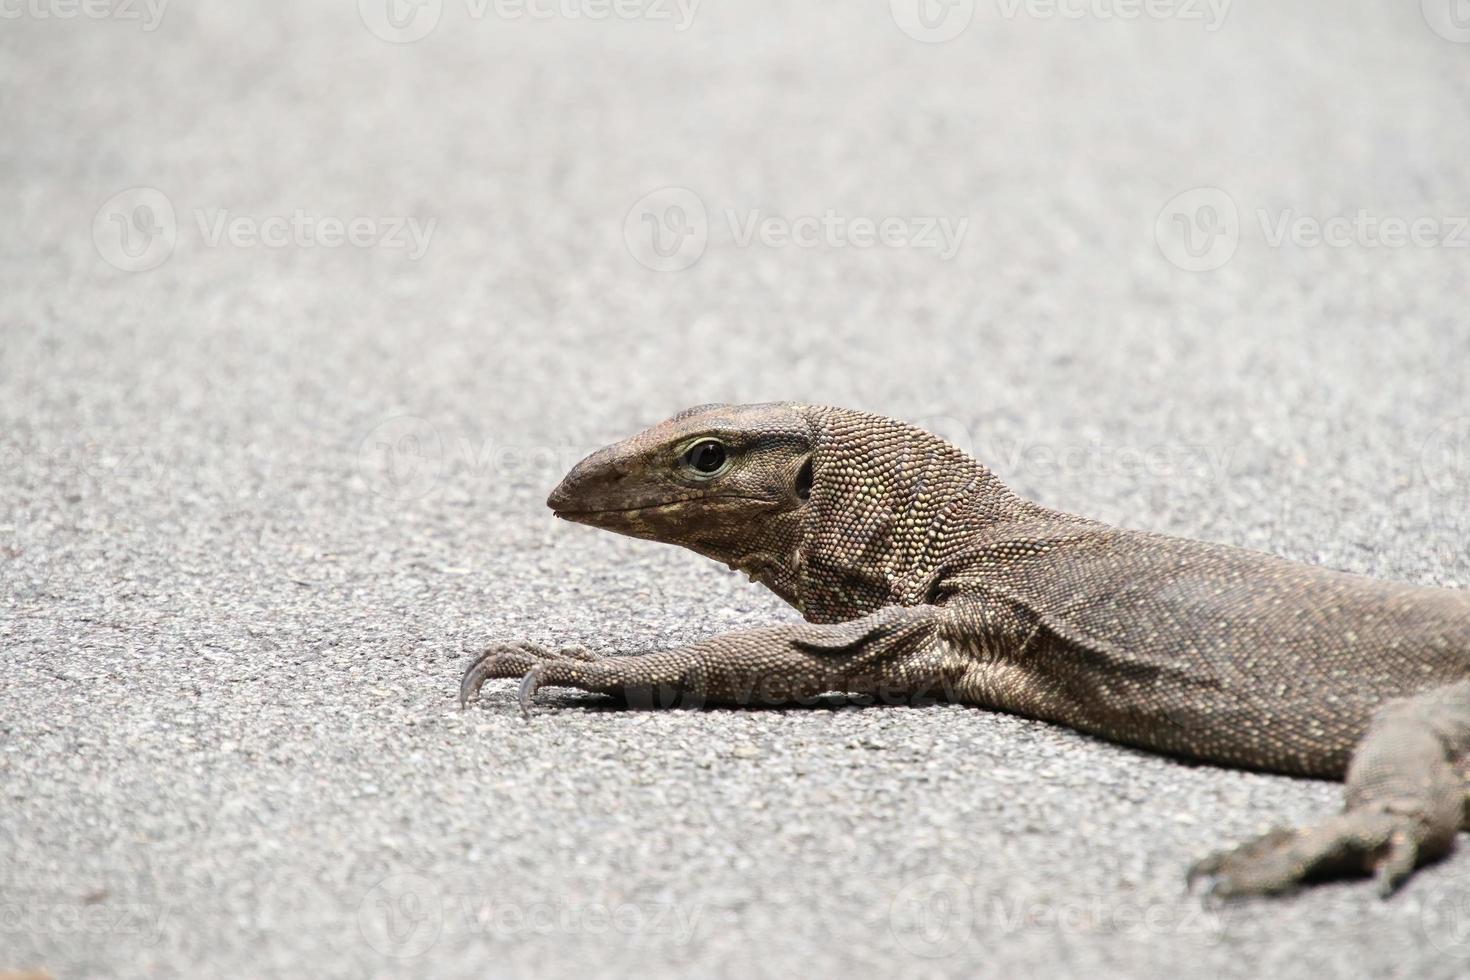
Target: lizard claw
(474, 677)
(1385, 844)
(520, 658)
(529, 685)
(500, 660)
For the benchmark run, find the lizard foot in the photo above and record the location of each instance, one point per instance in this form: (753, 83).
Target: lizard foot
(1380, 842)
(516, 659)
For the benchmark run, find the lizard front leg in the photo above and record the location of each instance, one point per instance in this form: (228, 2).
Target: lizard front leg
(896, 650)
(1404, 802)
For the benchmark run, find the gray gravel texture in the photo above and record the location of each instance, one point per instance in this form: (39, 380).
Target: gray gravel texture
(259, 504)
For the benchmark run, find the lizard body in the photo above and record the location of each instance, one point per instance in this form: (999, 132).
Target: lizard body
(920, 574)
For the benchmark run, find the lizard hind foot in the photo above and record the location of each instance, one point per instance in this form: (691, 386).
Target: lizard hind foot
(1379, 842)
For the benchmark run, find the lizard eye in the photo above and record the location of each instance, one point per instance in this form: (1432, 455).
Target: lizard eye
(706, 457)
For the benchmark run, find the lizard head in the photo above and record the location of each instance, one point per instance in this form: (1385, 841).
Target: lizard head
(837, 512)
(730, 482)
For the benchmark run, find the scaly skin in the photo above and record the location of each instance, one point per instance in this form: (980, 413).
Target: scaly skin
(921, 575)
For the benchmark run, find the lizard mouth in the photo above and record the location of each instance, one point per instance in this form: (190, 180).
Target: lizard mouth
(572, 513)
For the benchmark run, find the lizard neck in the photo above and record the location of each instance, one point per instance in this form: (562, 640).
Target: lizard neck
(890, 505)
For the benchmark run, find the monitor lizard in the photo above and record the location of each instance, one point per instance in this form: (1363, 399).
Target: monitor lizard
(920, 574)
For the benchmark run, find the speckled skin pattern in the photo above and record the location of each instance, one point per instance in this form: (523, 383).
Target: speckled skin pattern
(922, 576)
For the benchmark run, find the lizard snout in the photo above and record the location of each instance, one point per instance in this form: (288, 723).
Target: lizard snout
(592, 484)
(567, 496)
(560, 498)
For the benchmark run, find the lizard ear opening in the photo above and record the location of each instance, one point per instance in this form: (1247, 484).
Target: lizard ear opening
(804, 480)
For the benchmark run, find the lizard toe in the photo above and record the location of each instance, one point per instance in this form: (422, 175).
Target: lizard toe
(501, 660)
(577, 653)
(1358, 842)
(532, 682)
(1396, 866)
(1227, 872)
(545, 653)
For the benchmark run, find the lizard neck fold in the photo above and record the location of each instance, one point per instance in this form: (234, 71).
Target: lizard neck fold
(890, 505)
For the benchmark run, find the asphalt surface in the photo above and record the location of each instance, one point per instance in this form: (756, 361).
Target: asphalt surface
(265, 487)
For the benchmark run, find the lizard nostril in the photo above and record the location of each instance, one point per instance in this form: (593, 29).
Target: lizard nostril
(565, 493)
